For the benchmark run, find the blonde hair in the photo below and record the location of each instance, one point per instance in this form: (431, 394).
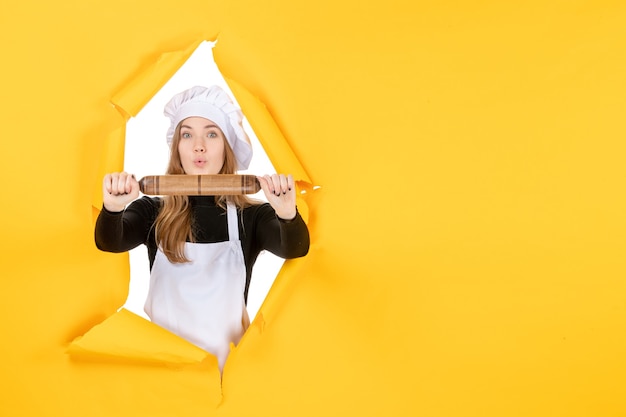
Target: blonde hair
(174, 224)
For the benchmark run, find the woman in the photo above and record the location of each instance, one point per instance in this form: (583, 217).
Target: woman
(202, 248)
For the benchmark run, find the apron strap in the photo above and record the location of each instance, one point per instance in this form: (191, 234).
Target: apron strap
(233, 229)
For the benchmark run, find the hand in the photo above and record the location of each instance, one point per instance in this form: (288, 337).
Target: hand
(280, 191)
(119, 189)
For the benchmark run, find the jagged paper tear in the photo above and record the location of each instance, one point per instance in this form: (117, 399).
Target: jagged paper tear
(124, 335)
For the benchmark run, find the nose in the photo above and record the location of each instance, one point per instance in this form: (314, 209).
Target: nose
(199, 146)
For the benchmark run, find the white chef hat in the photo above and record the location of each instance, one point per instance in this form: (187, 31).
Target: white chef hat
(214, 104)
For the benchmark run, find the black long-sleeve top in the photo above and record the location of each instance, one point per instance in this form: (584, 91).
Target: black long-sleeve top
(259, 229)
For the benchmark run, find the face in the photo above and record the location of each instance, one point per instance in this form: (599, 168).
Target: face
(201, 146)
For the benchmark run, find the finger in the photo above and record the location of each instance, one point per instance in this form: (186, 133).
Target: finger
(279, 184)
(273, 183)
(284, 187)
(263, 182)
(128, 184)
(107, 183)
(115, 179)
(266, 184)
(120, 183)
(117, 186)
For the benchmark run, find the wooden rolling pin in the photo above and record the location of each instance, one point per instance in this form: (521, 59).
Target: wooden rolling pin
(221, 184)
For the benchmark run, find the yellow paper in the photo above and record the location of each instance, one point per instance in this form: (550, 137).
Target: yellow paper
(129, 337)
(131, 99)
(468, 245)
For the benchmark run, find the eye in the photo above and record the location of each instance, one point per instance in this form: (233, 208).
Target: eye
(185, 135)
(212, 135)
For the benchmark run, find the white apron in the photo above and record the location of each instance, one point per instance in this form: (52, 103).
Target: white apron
(202, 301)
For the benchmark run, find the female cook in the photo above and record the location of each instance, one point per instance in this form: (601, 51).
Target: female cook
(202, 248)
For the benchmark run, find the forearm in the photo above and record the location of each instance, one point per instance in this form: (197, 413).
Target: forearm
(113, 234)
(294, 238)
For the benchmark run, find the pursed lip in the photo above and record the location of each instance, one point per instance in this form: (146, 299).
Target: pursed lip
(199, 161)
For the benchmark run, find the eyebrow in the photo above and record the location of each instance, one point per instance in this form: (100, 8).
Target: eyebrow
(205, 127)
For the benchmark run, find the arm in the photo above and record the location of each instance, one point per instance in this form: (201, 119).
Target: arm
(282, 230)
(119, 229)
(125, 230)
(294, 237)
(284, 238)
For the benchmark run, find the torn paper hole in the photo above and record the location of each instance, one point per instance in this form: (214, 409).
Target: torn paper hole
(147, 153)
(103, 340)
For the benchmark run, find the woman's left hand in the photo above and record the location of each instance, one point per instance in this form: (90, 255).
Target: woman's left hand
(280, 191)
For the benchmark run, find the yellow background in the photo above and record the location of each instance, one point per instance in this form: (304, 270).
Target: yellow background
(468, 238)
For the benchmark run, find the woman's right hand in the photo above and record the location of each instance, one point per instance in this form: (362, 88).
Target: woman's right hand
(119, 189)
